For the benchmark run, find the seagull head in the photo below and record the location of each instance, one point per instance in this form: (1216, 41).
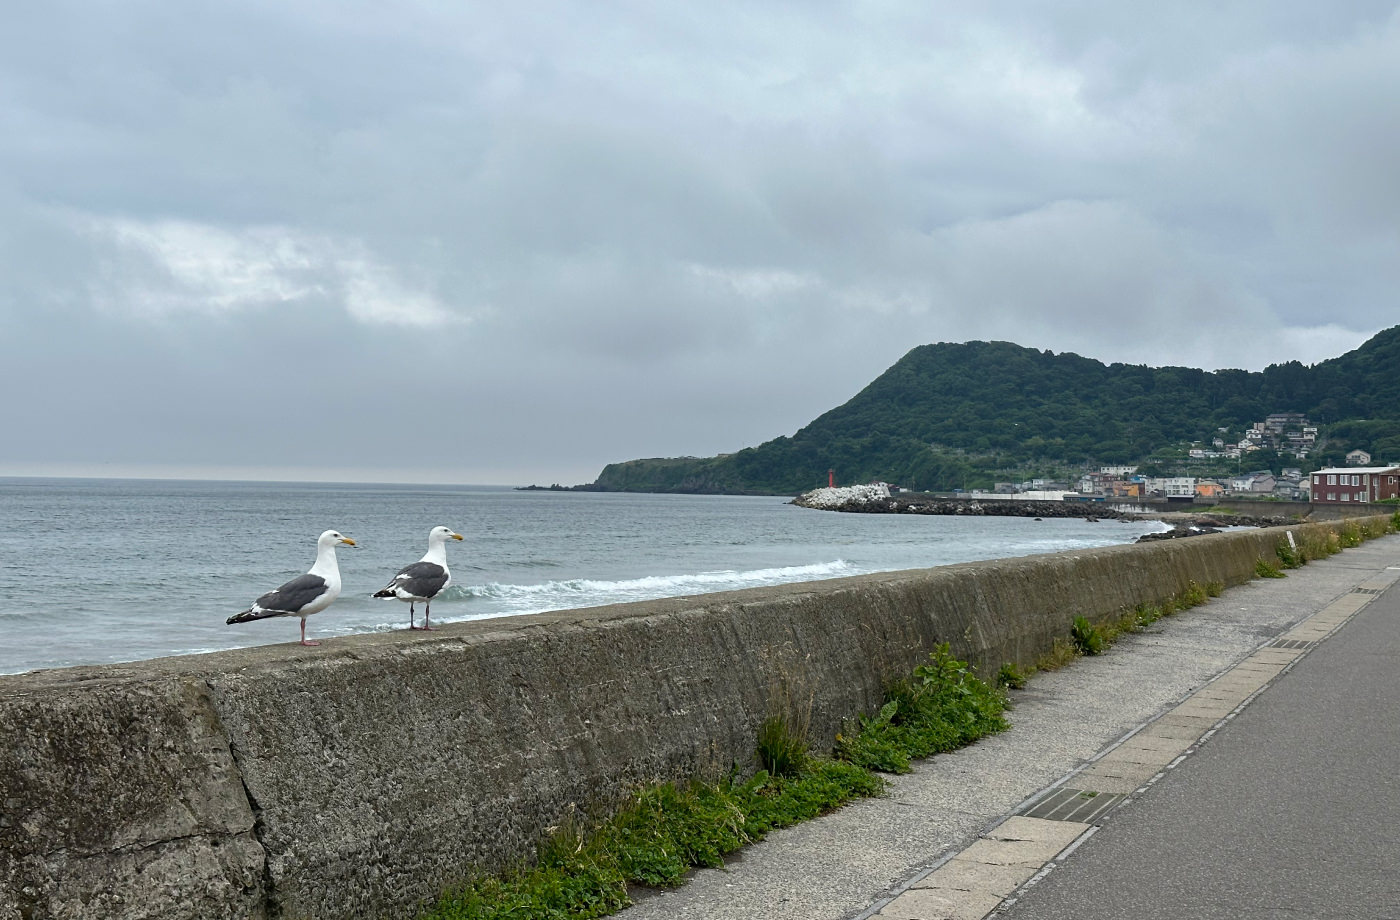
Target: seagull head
(334, 538)
(443, 534)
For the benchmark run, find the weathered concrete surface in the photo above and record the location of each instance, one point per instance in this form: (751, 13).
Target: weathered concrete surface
(378, 768)
(120, 798)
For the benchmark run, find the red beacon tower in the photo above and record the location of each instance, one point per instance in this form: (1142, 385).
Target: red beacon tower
(831, 479)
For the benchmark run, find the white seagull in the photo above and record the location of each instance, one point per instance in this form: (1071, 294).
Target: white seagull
(422, 580)
(305, 594)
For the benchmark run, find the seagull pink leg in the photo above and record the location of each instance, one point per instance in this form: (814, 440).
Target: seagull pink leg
(427, 608)
(303, 634)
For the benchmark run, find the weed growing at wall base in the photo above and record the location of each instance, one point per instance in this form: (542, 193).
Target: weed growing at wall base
(1061, 653)
(782, 746)
(942, 707)
(664, 831)
(1086, 637)
(1011, 677)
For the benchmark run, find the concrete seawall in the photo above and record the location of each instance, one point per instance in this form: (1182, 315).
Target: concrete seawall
(357, 779)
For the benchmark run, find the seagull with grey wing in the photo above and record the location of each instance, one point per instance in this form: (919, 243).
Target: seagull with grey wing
(305, 594)
(424, 579)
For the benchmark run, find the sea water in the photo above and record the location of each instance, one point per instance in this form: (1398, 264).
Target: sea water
(96, 571)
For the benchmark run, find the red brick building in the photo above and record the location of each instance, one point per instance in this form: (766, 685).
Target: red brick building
(1355, 484)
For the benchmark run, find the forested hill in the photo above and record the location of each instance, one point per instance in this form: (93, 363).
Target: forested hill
(948, 414)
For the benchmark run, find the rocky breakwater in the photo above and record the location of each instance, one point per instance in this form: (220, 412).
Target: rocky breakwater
(1187, 524)
(876, 499)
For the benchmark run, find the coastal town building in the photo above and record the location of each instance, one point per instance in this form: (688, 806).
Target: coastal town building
(1358, 458)
(1285, 432)
(1172, 486)
(1355, 484)
(1209, 488)
(1257, 482)
(1280, 423)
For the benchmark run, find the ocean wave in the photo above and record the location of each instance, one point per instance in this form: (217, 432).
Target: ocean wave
(581, 592)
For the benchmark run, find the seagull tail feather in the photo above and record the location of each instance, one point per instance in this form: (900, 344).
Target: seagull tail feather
(252, 614)
(385, 592)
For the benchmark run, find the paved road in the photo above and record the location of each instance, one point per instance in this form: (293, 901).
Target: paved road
(874, 856)
(1291, 810)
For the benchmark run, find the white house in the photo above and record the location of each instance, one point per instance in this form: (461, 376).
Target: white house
(1173, 486)
(1358, 458)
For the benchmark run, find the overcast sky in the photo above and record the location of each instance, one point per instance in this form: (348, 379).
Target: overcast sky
(512, 242)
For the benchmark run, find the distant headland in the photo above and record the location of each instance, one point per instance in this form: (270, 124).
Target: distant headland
(966, 416)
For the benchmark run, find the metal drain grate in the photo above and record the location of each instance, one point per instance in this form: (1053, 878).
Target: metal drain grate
(1293, 643)
(1073, 805)
(1367, 590)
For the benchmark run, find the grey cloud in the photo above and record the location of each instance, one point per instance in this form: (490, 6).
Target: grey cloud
(556, 235)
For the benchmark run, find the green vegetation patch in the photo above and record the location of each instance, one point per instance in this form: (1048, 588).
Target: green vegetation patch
(1094, 638)
(942, 707)
(1087, 638)
(584, 868)
(782, 746)
(661, 834)
(1011, 677)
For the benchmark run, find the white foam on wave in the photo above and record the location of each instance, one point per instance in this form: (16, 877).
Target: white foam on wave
(588, 592)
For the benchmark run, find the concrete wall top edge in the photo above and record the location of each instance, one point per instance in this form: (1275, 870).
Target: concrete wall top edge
(371, 645)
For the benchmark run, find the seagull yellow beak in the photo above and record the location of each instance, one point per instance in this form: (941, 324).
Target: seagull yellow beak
(347, 541)
(457, 536)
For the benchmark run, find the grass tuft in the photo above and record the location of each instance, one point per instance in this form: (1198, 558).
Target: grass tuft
(1263, 568)
(941, 707)
(1062, 652)
(782, 746)
(1289, 556)
(1087, 638)
(1193, 595)
(1011, 677)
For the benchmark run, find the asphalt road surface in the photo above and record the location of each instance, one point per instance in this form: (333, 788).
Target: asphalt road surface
(1292, 810)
